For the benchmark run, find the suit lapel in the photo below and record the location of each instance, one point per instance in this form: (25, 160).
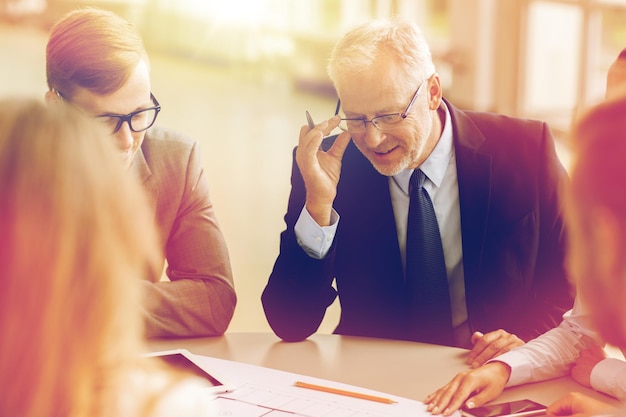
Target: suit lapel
(474, 171)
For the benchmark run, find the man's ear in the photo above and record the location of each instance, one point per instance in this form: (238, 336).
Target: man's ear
(52, 98)
(434, 92)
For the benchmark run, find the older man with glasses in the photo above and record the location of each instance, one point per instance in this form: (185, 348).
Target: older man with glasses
(96, 62)
(429, 223)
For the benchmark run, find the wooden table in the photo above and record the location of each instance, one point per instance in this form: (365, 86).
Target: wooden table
(407, 369)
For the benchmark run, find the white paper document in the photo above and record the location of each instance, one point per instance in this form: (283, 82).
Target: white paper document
(271, 393)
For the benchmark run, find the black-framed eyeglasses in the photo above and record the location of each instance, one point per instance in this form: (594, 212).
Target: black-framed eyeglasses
(138, 121)
(382, 122)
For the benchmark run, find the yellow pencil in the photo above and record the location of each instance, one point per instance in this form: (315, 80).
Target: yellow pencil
(344, 392)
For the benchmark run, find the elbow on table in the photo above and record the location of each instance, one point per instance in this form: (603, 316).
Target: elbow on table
(292, 318)
(288, 327)
(291, 335)
(223, 314)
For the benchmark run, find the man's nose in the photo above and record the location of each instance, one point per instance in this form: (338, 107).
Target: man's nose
(124, 137)
(373, 136)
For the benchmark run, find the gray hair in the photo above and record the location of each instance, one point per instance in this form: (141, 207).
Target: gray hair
(401, 40)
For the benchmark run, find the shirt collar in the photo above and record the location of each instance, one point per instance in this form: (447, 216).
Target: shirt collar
(434, 167)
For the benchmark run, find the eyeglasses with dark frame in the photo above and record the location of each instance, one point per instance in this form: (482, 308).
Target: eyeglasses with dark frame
(138, 121)
(382, 122)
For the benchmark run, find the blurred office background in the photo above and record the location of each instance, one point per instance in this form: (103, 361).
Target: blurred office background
(238, 76)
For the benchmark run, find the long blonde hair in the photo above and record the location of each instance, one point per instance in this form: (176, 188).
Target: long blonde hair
(596, 202)
(75, 239)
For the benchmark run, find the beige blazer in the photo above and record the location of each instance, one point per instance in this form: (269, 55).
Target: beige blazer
(199, 297)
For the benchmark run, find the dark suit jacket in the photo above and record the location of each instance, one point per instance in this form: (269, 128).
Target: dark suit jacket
(199, 299)
(512, 237)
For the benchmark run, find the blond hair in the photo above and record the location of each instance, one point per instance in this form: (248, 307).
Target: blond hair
(76, 238)
(596, 207)
(598, 171)
(93, 49)
(397, 39)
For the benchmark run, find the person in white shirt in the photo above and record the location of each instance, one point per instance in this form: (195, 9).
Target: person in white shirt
(572, 347)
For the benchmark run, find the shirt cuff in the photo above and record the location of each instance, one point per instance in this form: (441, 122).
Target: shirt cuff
(314, 239)
(521, 371)
(608, 376)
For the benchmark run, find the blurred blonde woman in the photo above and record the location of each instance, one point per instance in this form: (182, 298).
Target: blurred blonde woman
(74, 231)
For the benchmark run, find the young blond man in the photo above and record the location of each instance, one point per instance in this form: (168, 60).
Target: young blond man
(96, 62)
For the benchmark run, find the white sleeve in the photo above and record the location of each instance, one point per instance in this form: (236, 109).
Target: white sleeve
(314, 239)
(552, 354)
(609, 377)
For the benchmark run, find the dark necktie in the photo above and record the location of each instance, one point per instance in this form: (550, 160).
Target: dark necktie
(426, 277)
